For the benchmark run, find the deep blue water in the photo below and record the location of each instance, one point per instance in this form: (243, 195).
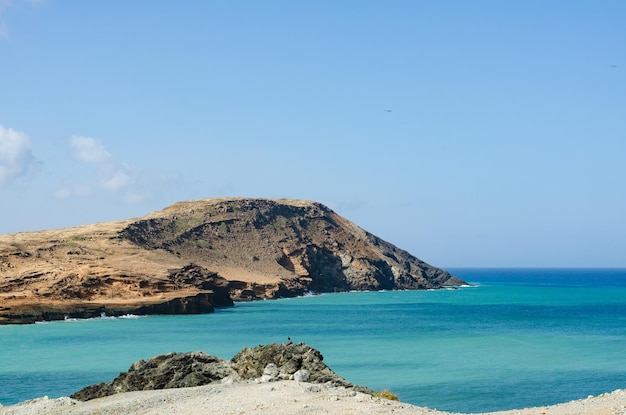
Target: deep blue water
(518, 338)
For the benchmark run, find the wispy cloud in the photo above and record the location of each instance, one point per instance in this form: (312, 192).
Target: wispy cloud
(75, 190)
(4, 28)
(5, 31)
(110, 174)
(113, 179)
(16, 157)
(89, 150)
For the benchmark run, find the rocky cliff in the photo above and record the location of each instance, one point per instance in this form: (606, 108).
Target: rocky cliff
(194, 256)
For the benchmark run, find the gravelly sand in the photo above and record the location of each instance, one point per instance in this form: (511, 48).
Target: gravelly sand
(280, 398)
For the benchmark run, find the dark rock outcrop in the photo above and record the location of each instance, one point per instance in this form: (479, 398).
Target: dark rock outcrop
(289, 358)
(307, 244)
(196, 304)
(173, 370)
(193, 275)
(210, 291)
(180, 370)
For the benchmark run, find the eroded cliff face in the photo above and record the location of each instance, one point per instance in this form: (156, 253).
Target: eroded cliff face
(305, 244)
(193, 256)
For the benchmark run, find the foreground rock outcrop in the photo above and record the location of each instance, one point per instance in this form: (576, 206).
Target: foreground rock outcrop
(287, 360)
(194, 256)
(255, 382)
(179, 370)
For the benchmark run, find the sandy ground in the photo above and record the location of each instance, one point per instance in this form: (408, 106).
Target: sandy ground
(276, 398)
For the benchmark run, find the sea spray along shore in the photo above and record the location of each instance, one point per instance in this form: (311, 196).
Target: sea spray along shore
(273, 379)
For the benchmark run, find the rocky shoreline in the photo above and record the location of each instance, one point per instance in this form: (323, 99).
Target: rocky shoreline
(194, 256)
(277, 379)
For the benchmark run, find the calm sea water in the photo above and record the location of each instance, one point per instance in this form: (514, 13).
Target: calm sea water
(518, 338)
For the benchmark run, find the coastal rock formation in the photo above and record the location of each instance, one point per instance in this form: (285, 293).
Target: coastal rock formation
(173, 370)
(194, 256)
(289, 361)
(305, 244)
(179, 370)
(207, 290)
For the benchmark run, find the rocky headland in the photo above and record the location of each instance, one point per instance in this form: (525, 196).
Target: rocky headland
(194, 256)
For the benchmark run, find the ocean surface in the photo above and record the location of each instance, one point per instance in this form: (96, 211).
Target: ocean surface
(517, 338)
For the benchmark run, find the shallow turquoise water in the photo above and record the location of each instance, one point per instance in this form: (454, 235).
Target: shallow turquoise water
(519, 338)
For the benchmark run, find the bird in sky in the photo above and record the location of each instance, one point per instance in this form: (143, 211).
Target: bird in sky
(613, 66)
(387, 110)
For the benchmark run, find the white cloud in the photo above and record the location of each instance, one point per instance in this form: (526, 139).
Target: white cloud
(16, 157)
(110, 175)
(114, 179)
(133, 198)
(89, 150)
(76, 190)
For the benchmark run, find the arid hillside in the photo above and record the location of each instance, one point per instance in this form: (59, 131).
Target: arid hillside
(193, 256)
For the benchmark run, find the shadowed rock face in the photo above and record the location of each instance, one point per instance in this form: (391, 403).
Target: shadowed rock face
(194, 256)
(206, 289)
(173, 370)
(306, 244)
(179, 370)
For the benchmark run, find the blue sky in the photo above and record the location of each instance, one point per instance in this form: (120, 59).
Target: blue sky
(470, 133)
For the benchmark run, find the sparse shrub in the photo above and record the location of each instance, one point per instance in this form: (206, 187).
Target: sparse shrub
(251, 256)
(181, 224)
(386, 394)
(201, 243)
(281, 221)
(223, 227)
(195, 221)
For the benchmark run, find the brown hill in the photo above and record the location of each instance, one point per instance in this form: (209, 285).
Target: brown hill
(193, 256)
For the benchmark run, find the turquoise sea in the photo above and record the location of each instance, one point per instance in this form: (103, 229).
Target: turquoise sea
(517, 338)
